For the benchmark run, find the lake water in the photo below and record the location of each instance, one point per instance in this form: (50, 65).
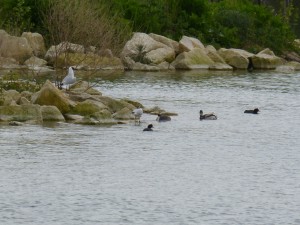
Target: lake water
(239, 169)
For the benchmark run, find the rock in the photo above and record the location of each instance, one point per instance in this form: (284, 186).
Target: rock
(105, 53)
(285, 69)
(187, 44)
(36, 42)
(115, 105)
(266, 59)
(87, 121)
(291, 56)
(50, 95)
(21, 113)
(214, 55)
(194, 59)
(157, 110)
(145, 50)
(104, 117)
(220, 66)
(297, 43)
(55, 50)
(26, 94)
(15, 95)
(84, 87)
(167, 41)
(51, 113)
(165, 66)
(236, 58)
(15, 123)
(17, 48)
(295, 65)
(34, 61)
(134, 103)
(23, 101)
(123, 114)
(9, 97)
(88, 108)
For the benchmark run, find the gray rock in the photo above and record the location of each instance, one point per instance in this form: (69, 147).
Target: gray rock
(145, 50)
(266, 59)
(51, 113)
(21, 113)
(36, 42)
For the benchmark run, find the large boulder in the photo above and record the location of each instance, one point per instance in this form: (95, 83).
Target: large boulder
(34, 62)
(194, 59)
(88, 107)
(213, 54)
(21, 113)
(17, 48)
(123, 114)
(36, 42)
(187, 44)
(236, 58)
(65, 47)
(115, 105)
(50, 95)
(297, 43)
(291, 56)
(266, 59)
(83, 87)
(144, 49)
(167, 41)
(219, 62)
(51, 113)
(295, 65)
(9, 97)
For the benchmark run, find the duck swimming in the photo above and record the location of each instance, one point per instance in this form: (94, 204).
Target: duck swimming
(163, 118)
(209, 116)
(149, 128)
(254, 111)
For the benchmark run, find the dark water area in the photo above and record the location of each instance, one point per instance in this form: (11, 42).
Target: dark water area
(238, 169)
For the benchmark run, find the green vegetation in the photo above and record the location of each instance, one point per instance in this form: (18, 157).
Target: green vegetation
(19, 82)
(246, 24)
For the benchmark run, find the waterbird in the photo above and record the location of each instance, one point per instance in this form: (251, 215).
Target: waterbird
(137, 114)
(70, 78)
(163, 118)
(253, 111)
(149, 128)
(209, 116)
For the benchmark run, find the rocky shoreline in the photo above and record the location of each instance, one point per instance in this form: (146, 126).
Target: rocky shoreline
(144, 52)
(81, 104)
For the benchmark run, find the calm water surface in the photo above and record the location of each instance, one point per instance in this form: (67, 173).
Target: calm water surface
(239, 169)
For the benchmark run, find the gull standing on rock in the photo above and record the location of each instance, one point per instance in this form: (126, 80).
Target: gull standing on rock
(70, 78)
(137, 115)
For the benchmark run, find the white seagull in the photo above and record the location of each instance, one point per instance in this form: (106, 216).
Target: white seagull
(137, 114)
(70, 78)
